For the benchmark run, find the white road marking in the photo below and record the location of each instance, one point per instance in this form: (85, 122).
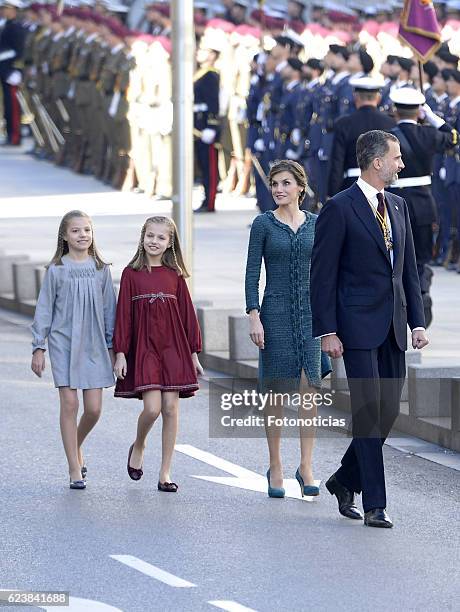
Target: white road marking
(243, 478)
(217, 462)
(153, 571)
(230, 606)
(76, 604)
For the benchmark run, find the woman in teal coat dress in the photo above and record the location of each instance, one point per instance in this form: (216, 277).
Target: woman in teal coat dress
(290, 359)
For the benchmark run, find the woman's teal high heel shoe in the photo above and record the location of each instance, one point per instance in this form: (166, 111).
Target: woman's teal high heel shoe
(273, 491)
(309, 490)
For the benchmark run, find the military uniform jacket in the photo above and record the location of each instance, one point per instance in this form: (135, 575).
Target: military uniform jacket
(452, 158)
(287, 118)
(206, 89)
(12, 39)
(82, 72)
(425, 141)
(346, 132)
(59, 62)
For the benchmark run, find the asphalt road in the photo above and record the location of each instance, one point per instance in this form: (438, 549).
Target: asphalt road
(229, 544)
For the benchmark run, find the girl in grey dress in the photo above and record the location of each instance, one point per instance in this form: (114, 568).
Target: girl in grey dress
(75, 314)
(290, 359)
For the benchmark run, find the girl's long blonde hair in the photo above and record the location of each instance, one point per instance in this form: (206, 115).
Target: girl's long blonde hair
(63, 247)
(171, 258)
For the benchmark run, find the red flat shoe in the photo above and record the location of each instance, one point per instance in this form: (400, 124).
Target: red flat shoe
(134, 474)
(167, 487)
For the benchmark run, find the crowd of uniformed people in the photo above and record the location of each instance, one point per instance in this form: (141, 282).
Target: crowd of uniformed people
(302, 82)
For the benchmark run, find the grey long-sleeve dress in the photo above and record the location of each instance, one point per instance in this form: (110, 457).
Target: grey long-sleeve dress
(75, 312)
(286, 312)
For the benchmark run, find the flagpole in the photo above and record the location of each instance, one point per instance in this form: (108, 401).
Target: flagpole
(420, 75)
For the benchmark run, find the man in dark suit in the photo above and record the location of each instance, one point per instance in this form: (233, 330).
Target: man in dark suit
(343, 170)
(364, 292)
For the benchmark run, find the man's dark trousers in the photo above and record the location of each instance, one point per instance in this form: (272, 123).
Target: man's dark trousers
(375, 398)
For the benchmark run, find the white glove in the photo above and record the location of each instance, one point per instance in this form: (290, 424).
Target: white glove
(290, 154)
(442, 174)
(113, 107)
(15, 78)
(259, 145)
(295, 136)
(208, 136)
(432, 118)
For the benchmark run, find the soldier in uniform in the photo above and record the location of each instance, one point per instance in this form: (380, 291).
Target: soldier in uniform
(296, 14)
(237, 13)
(343, 167)
(359, 64)
(107, 61)
(81, 72)
(265, 144)
(12, 39)
(326, 111)
(206, 124)
(312, 72)
(287, 137)
(419, 143)
(119, 129)
(452, 175)
(438, 100)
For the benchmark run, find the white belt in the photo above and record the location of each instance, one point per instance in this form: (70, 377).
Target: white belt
(412, 181)
(352, 172)
(200, 108)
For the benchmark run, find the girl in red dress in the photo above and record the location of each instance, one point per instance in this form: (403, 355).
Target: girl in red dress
(156, 340)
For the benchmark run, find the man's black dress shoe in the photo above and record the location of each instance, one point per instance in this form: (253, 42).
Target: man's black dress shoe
(345, 497)
(203, 209)
(377, 517)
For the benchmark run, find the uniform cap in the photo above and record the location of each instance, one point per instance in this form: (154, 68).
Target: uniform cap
(339, 50)
(295, 63)
(245, 3)
(430, 69)
(293, 37)
(407, 96)
(315, 64)
(448, 57)
(452, 74)
(213, 40)
(13, 3)
(366, 60)
(365, 83)
(405, 63)
(115, 7)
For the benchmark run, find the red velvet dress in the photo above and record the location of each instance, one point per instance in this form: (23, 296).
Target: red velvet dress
(157, 330)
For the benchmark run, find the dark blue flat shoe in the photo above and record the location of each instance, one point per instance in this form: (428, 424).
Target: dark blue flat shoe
(274, 491)
(77, 484)
(308, 490)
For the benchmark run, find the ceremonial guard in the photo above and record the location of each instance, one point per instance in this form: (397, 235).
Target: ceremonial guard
(452, 175)
(287, 135)
(419, 144)
(438, 100)
(359, 64)
(325, 113)
(206, 123)
(81, 73)
(12, 39)
(344, 167)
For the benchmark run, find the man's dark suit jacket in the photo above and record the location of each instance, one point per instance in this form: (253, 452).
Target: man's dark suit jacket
(355, 292)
